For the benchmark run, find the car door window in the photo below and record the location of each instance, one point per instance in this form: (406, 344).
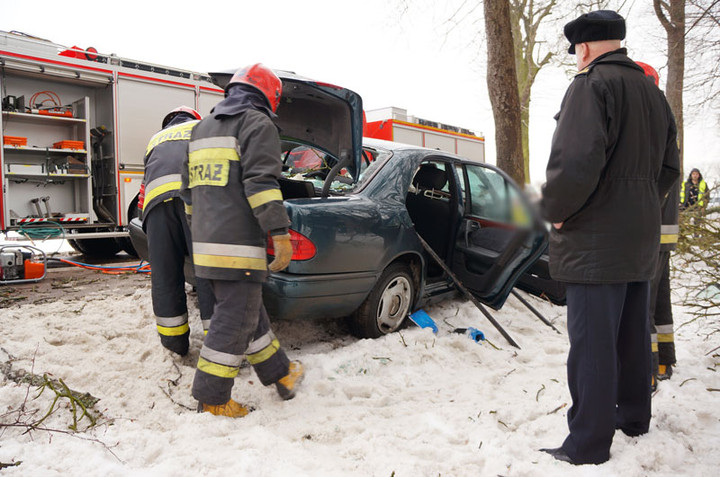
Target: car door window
(487, 194)
(494, 238)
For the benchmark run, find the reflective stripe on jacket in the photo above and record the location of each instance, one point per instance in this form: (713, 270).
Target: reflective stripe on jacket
(231, 172)
(164, 159)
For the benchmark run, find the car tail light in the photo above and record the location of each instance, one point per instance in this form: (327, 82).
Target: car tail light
(141, 196)
(303, 248)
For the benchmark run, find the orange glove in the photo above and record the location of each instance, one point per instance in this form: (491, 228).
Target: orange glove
(283, 252)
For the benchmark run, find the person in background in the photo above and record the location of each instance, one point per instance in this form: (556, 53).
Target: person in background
(693, 192)
(662, 336)
(168, 232)
(232, 174)
(614, 157)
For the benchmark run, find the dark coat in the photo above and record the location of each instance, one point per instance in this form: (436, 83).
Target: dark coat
(614, 157)
(231, 172)
(163, 161)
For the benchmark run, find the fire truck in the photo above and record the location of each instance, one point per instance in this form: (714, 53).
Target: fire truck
(394, 124)
(75, 124)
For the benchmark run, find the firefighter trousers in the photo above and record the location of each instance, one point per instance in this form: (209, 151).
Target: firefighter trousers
(239, 327)
(661, 318)
(168, 243)
(608, 366)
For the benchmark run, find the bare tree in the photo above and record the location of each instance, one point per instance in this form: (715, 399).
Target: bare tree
(525, 18)
(503, 89)
(702, 50)
(671, 14)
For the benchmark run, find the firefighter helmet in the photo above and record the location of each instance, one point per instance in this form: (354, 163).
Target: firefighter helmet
(650, 72)
(261, 78)
(180, 109)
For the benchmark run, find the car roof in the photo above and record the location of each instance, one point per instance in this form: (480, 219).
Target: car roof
(398, 146)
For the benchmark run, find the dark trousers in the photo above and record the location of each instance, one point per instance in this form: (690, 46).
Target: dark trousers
(661, 318)
(239, 318)
(608, 366)
(169, 242)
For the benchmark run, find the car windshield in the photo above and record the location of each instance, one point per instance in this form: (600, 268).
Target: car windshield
(305, 163)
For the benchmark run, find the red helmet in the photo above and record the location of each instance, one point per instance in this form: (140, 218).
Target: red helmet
(180, 109)
(650, 72)
(261, 78)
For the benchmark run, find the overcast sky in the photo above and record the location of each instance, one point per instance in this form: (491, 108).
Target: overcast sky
(407, 61)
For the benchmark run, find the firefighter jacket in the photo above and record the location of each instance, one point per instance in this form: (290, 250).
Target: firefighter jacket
(613, 159)
(231, 172)
(164, 159)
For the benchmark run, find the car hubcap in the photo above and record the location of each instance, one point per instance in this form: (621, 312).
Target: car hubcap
(394, 304)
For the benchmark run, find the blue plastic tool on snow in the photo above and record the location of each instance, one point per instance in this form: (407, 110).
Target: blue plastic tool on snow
(423, 320)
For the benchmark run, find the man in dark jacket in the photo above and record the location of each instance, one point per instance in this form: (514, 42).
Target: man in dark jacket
(232, 171)
(168, 232)
(613, 158)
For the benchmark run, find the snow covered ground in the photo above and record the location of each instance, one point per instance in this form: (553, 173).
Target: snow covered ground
(410, 404)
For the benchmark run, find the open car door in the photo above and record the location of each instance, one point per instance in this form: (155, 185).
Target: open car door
(498, 237)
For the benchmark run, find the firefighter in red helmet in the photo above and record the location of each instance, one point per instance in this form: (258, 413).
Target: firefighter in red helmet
(186, 110)
(662, 336)
(650, 72)
(232, 176)
(168, 232)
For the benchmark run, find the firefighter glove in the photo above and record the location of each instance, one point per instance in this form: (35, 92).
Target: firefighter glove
(283, 252)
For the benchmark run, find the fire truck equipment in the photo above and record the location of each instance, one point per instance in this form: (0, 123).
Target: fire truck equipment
(14, 103)
(36, 203)
(46, 201)
(54, 101)
(22, 264)
(15, 141)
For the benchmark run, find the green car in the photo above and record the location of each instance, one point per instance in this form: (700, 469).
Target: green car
(356, 209)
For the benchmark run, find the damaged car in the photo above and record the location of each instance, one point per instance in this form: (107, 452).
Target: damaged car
(357, 207)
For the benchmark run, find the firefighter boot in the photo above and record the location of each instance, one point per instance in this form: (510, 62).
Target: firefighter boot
(229, 409)
(287, 385)
(664, 371)
(177, 344)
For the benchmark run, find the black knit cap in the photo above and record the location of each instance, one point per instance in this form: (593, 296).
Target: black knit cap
(595, 26)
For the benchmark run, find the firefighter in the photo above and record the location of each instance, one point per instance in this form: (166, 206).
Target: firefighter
(231, 174)
(661, 318)
(168, 232)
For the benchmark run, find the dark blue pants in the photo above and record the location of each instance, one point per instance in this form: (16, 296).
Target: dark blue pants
(661, 317)
(239, 325)
(608, 366)
(169, 242)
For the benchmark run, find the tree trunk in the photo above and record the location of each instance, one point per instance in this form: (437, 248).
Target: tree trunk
(672, 17)
(503, 89)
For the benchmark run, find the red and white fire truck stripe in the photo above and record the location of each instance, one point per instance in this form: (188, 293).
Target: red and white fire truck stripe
(58, 219)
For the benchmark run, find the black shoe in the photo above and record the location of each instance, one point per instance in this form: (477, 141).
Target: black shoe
(559, 454)
(176, 344)
(664, 371)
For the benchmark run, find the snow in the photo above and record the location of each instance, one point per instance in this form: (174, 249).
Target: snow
(412, 403)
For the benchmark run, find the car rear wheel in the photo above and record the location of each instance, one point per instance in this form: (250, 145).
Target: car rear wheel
(387, 305)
